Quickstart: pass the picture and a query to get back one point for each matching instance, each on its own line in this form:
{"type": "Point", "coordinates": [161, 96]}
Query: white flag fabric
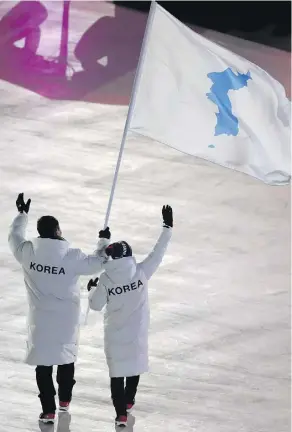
{"type": "Point", "coordinates": [204, 100]}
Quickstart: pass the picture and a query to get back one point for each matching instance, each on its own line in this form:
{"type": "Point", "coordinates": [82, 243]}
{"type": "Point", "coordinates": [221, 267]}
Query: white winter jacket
{"type": "Point", "coordinates": [51, 271]}
{"type": "Point", "coordinates": [122, 288]}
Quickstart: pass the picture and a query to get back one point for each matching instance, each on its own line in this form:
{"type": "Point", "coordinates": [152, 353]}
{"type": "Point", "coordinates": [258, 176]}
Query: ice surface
{"type": "Point", "coordinates": [219, 340]}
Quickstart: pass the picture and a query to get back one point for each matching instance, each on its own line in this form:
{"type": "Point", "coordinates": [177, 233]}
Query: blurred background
{"type": "Point", "coordinates": [89, 50]}
{"type": "Point", "coordinates": [268, 22]}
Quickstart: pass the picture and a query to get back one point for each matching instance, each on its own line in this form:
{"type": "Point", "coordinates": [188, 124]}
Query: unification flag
{"type": "Point", "coordinates": [202, 99]}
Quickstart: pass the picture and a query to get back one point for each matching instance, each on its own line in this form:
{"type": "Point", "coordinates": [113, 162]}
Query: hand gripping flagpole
{"type": "Point", "coordinates": [129, 115]}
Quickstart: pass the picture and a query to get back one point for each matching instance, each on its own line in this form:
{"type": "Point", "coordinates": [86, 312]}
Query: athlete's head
{"type": "Point", "coordinates": [119, 250]}
{"type": "Point", "coordinates": [48, 227]}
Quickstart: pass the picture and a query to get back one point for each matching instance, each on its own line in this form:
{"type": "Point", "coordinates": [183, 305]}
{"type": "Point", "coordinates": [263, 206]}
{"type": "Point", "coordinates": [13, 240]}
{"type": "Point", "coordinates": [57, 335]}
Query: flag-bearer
{"type": "Point", "coordinates": [51, 271]}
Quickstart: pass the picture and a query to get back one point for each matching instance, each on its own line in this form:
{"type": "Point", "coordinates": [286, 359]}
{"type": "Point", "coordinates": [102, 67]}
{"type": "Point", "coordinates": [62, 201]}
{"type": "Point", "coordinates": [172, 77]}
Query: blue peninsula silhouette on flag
{"type": "Point", "coordinates": [224, 81]}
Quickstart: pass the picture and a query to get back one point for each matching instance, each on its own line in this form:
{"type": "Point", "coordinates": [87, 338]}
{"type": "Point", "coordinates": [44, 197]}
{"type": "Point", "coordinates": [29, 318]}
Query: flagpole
{"type": "Point", "coordinates": [63, 55]}
{"type": "Point", "coordinates": [129, 117]}
{"type": "Point", "coordinates": [131, 106]}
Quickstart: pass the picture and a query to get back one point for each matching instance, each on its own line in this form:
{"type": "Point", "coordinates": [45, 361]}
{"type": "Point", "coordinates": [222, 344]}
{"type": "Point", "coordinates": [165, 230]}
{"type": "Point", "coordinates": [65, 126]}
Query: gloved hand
{"type": "Point", "coordinates": [167, 216]}
{"type": "Point", "coordinates": [92, 283]}
{"type": "Point", "coordinates": [21, 205]}
{"type": "Point", "coordinates": [105, 233]}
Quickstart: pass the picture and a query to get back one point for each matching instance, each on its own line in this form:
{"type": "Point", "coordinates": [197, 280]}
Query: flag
{"type": "Point", "coordinates": [204, 100]}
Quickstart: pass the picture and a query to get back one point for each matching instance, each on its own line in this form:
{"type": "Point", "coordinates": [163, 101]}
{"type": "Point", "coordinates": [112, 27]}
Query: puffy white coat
{"type": "Point", "coordinates": [122, 288]}
{"type": "Point", "coordinates": [51, 271]}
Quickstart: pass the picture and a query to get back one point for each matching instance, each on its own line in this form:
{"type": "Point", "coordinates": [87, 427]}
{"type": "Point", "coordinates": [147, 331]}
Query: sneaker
{"type": "Point", "coordinates": [64, 406]}
{"type": "Point", "coordinates": [130, 407]}
{"type": "Point", "coordinates": [47, 418]}
{"type": "Point", "coordinates": [121, 421]}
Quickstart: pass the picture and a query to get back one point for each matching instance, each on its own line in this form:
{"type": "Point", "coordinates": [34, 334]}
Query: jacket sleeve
{"type": "Point", "coordinates": [16, 236]}
{"type": "Point", "coordinates": [152, 262]}
{"type": "Point", "coordinates": [91, 264]}
{"type": "Point", "coordinates": [98, 297]}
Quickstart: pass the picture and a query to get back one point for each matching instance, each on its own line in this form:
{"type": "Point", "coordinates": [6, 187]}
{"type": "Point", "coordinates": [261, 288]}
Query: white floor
{"type": "Point", "coordinates": [220, 333]}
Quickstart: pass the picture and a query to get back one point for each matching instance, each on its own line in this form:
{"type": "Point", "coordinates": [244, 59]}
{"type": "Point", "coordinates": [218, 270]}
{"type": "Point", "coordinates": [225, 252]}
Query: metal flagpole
{"type": "Point", "coordinates": [129, 115]}
{"type": "Point", "coordinates": [131, 106]}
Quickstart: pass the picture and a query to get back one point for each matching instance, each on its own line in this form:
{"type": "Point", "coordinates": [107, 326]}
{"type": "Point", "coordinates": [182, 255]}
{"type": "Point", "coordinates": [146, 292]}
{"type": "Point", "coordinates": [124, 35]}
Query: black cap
{"type": "Point", "coordinates": [119, 250]}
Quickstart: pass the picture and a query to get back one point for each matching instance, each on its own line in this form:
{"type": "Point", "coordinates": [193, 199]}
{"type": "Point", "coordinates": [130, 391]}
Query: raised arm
{"type": "Point", "coordinates": [150, 264]}
{"type": "Point", "coordinates": [91, 264]}
{"type": "Point", "coordinates": [16, 236]}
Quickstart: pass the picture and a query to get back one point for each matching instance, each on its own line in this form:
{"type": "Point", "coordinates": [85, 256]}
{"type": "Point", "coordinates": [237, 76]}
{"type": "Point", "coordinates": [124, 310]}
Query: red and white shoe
{"type": "Point", "coordinates": [130, 407]}
{"type": "Point", "coordinates": [64, 406]}
{"type": "Point", "coordinates": [47, 418]}
{"type": "Point", "coordinates": [121, 421]}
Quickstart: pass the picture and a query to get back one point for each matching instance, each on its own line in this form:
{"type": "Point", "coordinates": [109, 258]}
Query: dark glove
{"type": "Point", "coordinates": [167, 216]}
{"type": "Point", "coordinates": [105, 233]}
{"type": "Point", "coordinates": [21, 205]}
{"type": "Point", "coordinates": [92, 283]}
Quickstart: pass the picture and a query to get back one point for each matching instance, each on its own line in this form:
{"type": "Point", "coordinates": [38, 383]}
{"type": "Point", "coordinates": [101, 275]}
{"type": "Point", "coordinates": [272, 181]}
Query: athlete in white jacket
{"type": "Point", "coordinates": [51, 272]}
{"type": "Point", "coordinates": [122, 288]}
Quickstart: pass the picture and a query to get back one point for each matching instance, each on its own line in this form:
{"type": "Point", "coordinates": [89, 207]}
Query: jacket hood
{"type": "Point", "coordinates": [49, 247]}
{"type": "Point", "coordinates": [52, 238]}
{"type": "Point", "coordinates": [121, 270]}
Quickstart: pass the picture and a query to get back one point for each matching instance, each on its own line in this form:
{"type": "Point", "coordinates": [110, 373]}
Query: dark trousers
{"type": "Point", "coordinates": [65, 380]}
{"type": "Point", "coordinates": [121, 395]}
